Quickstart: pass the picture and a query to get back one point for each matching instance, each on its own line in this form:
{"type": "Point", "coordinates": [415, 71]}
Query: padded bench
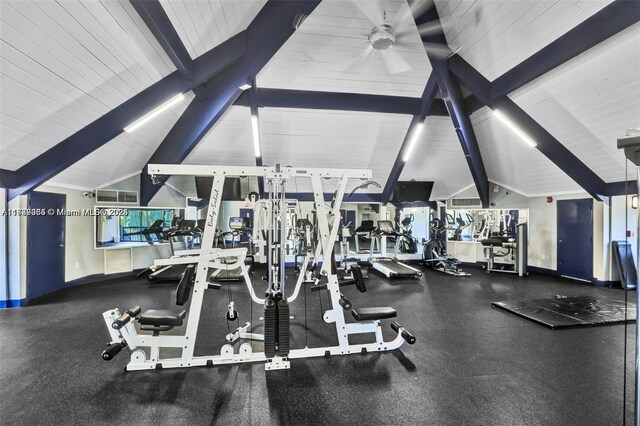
{"type": "Point", "coordinates": [159, 318]}
{"type": "Point", "coordinates": [365, 314]}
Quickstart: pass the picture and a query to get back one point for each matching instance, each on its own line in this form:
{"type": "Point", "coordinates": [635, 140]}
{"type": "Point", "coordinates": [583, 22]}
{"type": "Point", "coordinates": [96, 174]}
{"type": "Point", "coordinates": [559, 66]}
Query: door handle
{"type": "Point", "coordinates": [61, 245]}
{"type": "Point", "coordinates": [560, 241]}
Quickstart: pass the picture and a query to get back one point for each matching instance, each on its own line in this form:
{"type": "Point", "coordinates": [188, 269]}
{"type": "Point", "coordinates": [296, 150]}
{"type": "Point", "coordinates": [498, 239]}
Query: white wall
{"type": "Point", "coordinates": [17, 251]}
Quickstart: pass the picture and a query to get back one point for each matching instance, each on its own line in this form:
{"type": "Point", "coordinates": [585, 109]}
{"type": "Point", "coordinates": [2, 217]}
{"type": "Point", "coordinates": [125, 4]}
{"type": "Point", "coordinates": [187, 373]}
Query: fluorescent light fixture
{"type": "Point", "coordinates": [412, 142]}
{"type": "Point", "coordinates": [634, 202]}
{"type": "Point", "coordinates": [152, 114]}
{"type": "Point", "coordinates": [245, 86]}
{"type": "Point", "coordinates": [514, 128]}
{"type": "Point", "coordinates": [255, 126]}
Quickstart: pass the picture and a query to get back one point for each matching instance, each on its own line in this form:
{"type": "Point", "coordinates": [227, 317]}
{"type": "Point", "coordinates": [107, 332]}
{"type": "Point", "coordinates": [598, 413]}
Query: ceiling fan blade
{"type": "Point", "coordinates": [394, 62]}
{"type": "Point", "coordinates": [369, 10]}
{"type": "Point", "coordinates": [359, 62]}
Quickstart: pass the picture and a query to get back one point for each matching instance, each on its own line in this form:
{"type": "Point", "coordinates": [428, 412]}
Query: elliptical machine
{"type": "Point", "coordinates": [435, 252]}
{"type": "Point", "coordinates": [406, 243]}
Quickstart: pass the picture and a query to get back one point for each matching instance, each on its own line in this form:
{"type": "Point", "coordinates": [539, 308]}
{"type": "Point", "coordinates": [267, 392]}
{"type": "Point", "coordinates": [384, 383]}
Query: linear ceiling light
{"type": "Point", "coordinates": [514, 128]}
{"type": "Point", "coordinates": [412, 142]}
{"type": "Point", "coordinates": [152, 114]}
{"type": "Point", "coordinates": [245, 87]}
{"type": "Point", "coordinates": [255, 126]}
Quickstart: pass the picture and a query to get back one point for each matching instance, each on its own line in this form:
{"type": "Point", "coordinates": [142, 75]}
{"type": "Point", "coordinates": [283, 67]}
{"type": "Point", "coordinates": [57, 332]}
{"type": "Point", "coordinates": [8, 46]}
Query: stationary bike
{"type": "Point", "coordinates": [434, 253]}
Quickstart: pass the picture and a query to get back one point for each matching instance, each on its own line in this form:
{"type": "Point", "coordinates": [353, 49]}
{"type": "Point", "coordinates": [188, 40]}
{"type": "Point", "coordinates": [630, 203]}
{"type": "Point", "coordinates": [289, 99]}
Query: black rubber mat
{"type": "Point", "coordinates": [567, 312]}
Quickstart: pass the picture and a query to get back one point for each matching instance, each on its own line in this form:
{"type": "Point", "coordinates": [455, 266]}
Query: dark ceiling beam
{"type": "Point", "coordinates": [160, 25]}
{"type": "Point", "coordinates": [96, 134]}
{"type": "Point", "coordinates": [606, 23]}
{"type": "Point", "coordinates": [304, 99]}
{"type": "Point", "coordinates": [622, 188]}
{"type": "Point", "coordinates": [7, 178]}
{"type": "Point", "coordinates": [546, 143]}
{"type": "Point", "coordinates": [454, 100]}
{"type": "Point", "coordinates": [426, 100]}
{"type": "Point", "coordinates": [452, 94]}
{"type": "Point", "coordinates": [269, 30]}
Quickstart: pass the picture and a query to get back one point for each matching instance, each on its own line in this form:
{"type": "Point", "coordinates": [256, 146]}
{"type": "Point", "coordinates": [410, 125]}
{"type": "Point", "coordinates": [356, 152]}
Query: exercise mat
{"type": "Point", "coordinates": [570, 311]}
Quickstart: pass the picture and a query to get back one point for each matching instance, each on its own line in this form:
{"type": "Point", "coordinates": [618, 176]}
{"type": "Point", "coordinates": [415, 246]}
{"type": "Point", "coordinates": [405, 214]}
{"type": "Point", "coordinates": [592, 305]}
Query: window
{"type": "Point", "coordinates": [133, 226]}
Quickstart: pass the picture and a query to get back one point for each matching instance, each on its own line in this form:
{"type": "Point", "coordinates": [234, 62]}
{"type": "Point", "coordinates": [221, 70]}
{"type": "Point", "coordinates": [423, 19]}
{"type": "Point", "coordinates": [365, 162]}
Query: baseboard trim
{"type": "Point", "coordinates": [13, 303]}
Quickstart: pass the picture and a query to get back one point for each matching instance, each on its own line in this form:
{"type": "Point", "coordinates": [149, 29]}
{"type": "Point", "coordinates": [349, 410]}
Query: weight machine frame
{"type": "Point", "coordinates": [209, 257]}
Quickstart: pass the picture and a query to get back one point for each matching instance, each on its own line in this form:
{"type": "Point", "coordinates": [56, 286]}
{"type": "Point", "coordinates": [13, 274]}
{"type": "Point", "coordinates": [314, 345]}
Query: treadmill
{"type": "Point", "coordinates": [183, 235]}
{"type": "Point", "coordinates": [389, 266]}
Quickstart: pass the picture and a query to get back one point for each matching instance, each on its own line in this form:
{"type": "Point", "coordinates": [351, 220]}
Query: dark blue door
{"type": "Point", "coordinates": [45, 244]}
{"type": "Point", "coordinates": [575, 238]}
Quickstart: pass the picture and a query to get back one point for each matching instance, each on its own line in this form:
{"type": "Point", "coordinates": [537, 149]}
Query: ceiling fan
{"type": "Point", "coordinates": [386, 33]}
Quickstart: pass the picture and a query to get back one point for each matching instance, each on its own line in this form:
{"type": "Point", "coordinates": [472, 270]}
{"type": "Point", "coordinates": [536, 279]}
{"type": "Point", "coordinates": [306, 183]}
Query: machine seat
{"type": "Point", "coordinates": [162, 318]}
{"type": "Point", "coordinates": [364, 314]}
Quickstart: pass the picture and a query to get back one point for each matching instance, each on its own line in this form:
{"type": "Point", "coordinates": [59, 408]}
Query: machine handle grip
{"type": "Point", "coordinates": [345, 303]}
{"type": "Point", "coordinates": [112, 350]}
{"type": "Point", "coordinates": [135, 311]}
{"type": "Point", "coordinates": [121, 321]}
{"type": "Point", "coordinates": [408, 337]}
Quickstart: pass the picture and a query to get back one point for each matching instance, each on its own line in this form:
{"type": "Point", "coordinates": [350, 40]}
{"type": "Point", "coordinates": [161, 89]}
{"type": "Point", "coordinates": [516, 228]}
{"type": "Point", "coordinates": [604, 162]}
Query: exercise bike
{"type": "Point", "coordinates": [434, 253]}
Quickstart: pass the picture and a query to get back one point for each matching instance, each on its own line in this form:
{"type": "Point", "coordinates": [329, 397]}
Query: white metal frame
{"type": "Point", "coordinates": [209, 257]}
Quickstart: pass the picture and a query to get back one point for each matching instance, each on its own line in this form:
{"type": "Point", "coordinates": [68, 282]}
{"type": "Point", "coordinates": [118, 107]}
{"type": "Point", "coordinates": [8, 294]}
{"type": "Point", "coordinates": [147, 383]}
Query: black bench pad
{"type": "Point", "coordinates": [364, 314]}
{"type": "Point", "coordinates": [158, 317]}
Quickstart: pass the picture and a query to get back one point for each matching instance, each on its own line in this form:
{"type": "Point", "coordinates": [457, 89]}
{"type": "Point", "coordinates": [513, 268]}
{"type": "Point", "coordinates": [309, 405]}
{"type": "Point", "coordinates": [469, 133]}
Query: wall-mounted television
{"type": "Point", "coordinates": [412, 191]}
{"type": "Point", "coordinates": [230, 192]}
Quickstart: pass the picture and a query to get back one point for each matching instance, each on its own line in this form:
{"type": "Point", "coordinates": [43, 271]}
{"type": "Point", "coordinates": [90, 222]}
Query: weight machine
{"type": "Point", "coordinates": [277, 352]}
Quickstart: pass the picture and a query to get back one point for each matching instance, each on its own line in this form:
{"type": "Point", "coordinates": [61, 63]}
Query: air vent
{"type": "Point", "coordinates": [127, 197]}
{"type": "Point", "coordinates": [117, 260]}
{"type": "Point", "coordinates": [106, 196]}
{"type": "Point", "coordinates": [465, 203]}
{"type": "Point", "coordinates": [109, 196]}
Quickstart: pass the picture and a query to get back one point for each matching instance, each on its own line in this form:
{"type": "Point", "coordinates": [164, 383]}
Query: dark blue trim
{"type": "Point", "coordinates": [452, 95]}
{"type": "Point", "coordinates": [96, 134]}
{"type": "Point", "coordinates": [618, 188]}
{"type": "Point", "coordinates": [270, 29]}
{"type": "Point", "coordinates": [7, 178]}
{"type": "Point", "coordinates": [546, 143]}
{"type": "Point", "coordinates": [609, 21]}
{"type": "Point", "coordinates": [13, 303]}
{"type": "Point", "coordinates": [304, 99]}
{"type": "Point", "coordinates": [93, 278]}
{"type": "Point", "coordinates": [426, 101]}
{"type": "Point", "coordinates": [154, 16]}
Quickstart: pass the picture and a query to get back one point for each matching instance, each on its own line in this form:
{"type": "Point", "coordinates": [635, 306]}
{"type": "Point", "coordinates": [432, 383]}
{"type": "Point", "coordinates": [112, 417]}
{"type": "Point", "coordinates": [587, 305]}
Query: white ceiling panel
{"type": "Point", "coordinates": [127, 153]}
{"type": "Point", "coordinates": [438, 157]}
{"type": "Point", "coordinates": [204, 24]}
{"type": "Point", "coordinates": [588, 102]}
{"type": "Point", "coordinates": [337, 139]}
{"type": "Point", "coordinates": [229, 142]}
{"type": "Point", "coordinates": [496, 35]}
{"type": "Point", "coordinates": [510, 162]}
{"type": "Point", "coordinates": [65, 64]}
{"type": "Point", "coordinates": [324, 54]}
